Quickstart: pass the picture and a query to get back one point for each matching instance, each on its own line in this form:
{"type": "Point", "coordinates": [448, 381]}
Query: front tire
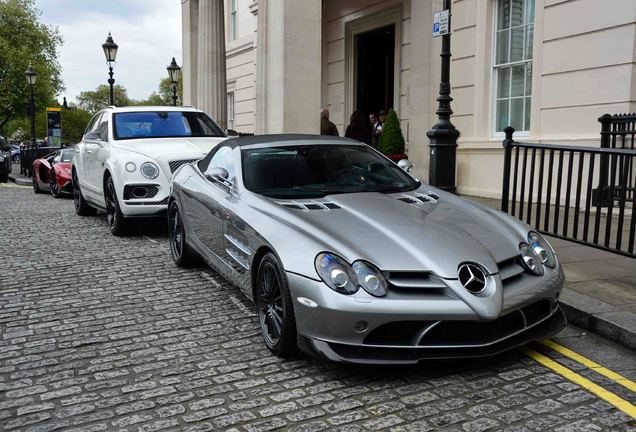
{"type": "Point", "coordinates": [55, 189]}
{"type": "Point", "coordinates": [36, 186]}
{"type": "Point", "coordinates": [275, 308]}
{"type": "Point", "coordinates": [181, 254]}
{"type": "Point", "coordinates": [116, 221]}
{"type": "Point", "coordinates": [81, 206]}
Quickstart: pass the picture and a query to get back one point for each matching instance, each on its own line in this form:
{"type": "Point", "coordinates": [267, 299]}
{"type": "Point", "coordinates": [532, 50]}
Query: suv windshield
{"type": "Point", "coordinates": [312, 171]}
{"type": "Point", "coordinates": [164, 124]}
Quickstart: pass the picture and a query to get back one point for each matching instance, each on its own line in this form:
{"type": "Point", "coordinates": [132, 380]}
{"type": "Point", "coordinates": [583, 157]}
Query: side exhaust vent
{"type": "Point", "coordinates": [310, 206]}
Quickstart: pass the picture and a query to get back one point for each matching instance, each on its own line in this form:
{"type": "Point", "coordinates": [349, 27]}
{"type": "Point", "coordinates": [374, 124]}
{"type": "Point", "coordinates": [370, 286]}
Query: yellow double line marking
{"type": "Point", "coordinates": [11, 185]}
{"type": "Point", "coordinates": [612, 398]}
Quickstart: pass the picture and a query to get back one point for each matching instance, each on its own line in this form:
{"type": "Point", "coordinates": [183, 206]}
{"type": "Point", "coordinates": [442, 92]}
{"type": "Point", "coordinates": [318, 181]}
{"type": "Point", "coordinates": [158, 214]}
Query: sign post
{"type": "Point", "coordinates": [54, 127]}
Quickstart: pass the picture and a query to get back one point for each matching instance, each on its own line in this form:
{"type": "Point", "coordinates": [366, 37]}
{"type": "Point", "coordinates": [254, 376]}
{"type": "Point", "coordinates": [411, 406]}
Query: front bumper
{"type": "Point", "coordinates": [425, 325]}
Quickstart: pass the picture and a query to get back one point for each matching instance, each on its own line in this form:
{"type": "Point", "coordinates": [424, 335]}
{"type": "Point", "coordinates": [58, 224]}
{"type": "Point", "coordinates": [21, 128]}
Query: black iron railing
{"type": "Point", "coordinates": [617, 131]}
{"type": "Point", "coordinates": [550, 187]}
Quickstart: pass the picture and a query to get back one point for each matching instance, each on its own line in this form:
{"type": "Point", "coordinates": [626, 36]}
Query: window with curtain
{"type": "Point", "coordinates": [514, 32]}
{"type": "Point", "coordinates": [233, 19]}
{"type": "Point", "coordinates": [230, 111]}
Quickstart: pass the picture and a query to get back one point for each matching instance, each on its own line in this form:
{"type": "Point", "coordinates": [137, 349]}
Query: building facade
{"type": "Point", "coordinates": [549, 68]}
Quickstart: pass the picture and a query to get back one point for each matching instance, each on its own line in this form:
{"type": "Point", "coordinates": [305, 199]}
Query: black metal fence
{"type": "Point", "coordinates": [29, 153]}
{"type": "Point", "coordinates": [551, 188]}
{"type": "Point", "coordinates": [617, 131]}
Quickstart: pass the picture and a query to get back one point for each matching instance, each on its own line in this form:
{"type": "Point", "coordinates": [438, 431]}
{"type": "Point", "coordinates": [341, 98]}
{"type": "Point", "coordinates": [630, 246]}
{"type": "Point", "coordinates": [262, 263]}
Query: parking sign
{"type": "Point", "coordinates": [440, 23]}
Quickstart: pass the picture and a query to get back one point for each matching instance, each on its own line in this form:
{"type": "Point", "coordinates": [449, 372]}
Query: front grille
{"type": "Point", "coordinates": [510, 269]}
{"type": "Point", "coordinates": [458, 333]}
{"type": "Point", "coordinates": [174, 165]}
{"type": "Point", "coordinates": [413, 280]}
{"type": "Point", "coordinates": [134, 191]}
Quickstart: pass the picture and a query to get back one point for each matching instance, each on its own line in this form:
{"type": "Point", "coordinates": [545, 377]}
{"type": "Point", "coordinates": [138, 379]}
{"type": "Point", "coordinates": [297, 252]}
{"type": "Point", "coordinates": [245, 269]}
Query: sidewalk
{"type": "Point", "coordinates": [600, 288]}
{"type": "Point", "coordinates": [18, 178]}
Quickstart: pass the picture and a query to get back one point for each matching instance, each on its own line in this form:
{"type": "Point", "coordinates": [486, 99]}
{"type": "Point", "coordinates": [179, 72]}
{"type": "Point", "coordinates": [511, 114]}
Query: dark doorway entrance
{"type": "Point", "coordinates": [375, 55]}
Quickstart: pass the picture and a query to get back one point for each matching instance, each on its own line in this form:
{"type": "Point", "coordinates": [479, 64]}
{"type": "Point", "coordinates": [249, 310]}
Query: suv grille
{"type": "Point", "coordinates": [174, 165]}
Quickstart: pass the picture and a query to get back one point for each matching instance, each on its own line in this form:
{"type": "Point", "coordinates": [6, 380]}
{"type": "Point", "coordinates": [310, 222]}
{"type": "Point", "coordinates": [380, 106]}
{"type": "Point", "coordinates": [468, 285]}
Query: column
{"type": "Point", "coordinates": [289, 70]}
{"type": "Point", "coordinates": [189, 36]}
{"type": "Point", "coordinates": [211, 82]}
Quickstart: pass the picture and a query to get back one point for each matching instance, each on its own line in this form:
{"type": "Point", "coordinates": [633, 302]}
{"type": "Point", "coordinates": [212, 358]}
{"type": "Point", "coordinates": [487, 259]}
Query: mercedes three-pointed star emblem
{"type": "Point", "coordinates": [472, 277]}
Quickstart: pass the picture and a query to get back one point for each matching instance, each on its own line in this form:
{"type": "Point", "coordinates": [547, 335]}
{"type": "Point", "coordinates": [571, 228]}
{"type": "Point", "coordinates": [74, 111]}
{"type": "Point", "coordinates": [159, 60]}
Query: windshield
{"type": "Point", "coordinates": [312, 171]}
{"type": "Point", "coordinates": [67, 155]}
{"type": "Point", "coordinates": [164, 124]}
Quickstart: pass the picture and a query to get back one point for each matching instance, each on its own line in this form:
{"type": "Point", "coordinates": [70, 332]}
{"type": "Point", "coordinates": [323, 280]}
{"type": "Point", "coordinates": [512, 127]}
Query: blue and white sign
{"type": "Point", "coordinates": [440, 23]}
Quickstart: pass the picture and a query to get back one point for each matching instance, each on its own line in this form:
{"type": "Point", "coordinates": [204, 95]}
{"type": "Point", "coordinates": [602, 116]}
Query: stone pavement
{"type": "Point", "coordinates": [600, 288]}
{"type": "Point", "coordinates": [104, 333]}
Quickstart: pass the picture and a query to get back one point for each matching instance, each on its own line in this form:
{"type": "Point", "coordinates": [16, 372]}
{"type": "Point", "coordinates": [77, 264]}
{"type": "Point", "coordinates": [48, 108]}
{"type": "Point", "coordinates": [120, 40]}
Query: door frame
{"type": "Point", "coordinates": [386, 17]}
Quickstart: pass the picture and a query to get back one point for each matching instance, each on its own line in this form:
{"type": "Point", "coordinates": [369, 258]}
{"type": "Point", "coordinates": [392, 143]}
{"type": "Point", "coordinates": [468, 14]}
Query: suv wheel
{"type": "Point", "coordinates": [116, 221]}
{"type": "Point", "coordinates": [81, 206]}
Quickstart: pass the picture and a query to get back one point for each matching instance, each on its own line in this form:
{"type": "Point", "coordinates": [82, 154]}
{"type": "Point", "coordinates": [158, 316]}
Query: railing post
{"type": "Point", "coordinates": [600, 194]}
{"type": "Point", "coordinates": [505, 190]}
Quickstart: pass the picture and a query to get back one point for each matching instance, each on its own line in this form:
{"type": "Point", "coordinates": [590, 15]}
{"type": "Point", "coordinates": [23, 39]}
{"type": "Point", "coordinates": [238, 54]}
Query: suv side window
{"type": "Point", "coordinates": [102, 127]}
{"type": "Point", "coordinates": [223, 158]}
{"type": "Point", "coordinates": [93, 123]}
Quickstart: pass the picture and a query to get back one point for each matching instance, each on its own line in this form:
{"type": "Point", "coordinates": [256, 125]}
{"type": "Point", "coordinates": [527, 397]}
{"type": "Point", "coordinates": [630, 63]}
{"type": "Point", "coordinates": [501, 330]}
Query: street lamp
{"type": "Point", "coordinates": [173, 72]}
{"type": "Point", "coordinates": [31, 76]}
{"type": "Point", "coordinates": [110, 51]}
{"type": "Point", "coordinates": [443, 135]}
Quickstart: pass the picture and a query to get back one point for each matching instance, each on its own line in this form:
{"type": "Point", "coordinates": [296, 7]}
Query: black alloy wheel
{"type": "Point", "coordinates": [55, 189]}
{"type": "Point", "coordinates": [116, 221]}
{"type": "Point", "coordinates": [275, 309]}
{"type": "Point", "coordinates": [81, 206]}
{"type": "Point", "coordinates": [181, 254]}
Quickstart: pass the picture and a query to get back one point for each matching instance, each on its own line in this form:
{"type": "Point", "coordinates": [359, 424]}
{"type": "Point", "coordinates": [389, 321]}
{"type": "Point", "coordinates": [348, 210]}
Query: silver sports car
{"type": "Point", "coordinates": [349, 257]}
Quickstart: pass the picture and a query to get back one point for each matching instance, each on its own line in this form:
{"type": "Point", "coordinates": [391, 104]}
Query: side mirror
{"type": "Point", "coordinates": [406, 165]}
{"type": "Point", "coordinates": [93, 136]}
{"type": "Point", "coordinates": [231, 133]}
{"type": "Point", "coordinates": [218, 175]}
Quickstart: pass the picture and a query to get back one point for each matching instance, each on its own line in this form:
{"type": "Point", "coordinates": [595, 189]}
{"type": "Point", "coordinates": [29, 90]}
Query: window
{"type": "Point", "coordinates": [513, 64]}
{"type": "Point", "coordinates": [230, 111]}
{"type": "Point", "coordinates": [164, 124]}
{"type": "Point", "coordinates": [233, 20]}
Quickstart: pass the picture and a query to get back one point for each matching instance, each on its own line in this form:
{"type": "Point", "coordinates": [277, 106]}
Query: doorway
{"type": "Point", "coordinates": [375, 69]}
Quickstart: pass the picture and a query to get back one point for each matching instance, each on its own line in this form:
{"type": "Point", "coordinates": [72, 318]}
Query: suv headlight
{"type": "Point", "coordinates": [530, 260]}
{"type": "Point", "coordinates": [344, 278]}
{"type": "Point", "coordinates": [542, 248]}
{"type": "Point", "coordinates": [149, 170]}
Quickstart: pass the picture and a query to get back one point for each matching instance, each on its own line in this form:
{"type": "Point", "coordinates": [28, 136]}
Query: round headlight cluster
{"type": "Point", "coordinates": [149, 170]}
{"type": "Point", "coordinates": [130, 167]}
{"type": "Point", "coordinates": [536, 254]}
{"type": "Point", "coordinates": [344, 278]}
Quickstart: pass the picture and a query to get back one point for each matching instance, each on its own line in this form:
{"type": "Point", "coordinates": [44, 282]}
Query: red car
{"type": "Point", "coordinates": [53, 173]}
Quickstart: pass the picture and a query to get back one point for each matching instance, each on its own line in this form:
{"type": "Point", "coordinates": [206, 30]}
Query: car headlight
{"type": "Point", "coordinates": [336, 273]}
{"type": "Point", "coordinates": [542, 248]}
{"type": "Point", "coordinates": [149, 170]}
{"type": "Point", "coordinates": [530, 259]}
{"type": "Point", "coordinates": [370, 278]}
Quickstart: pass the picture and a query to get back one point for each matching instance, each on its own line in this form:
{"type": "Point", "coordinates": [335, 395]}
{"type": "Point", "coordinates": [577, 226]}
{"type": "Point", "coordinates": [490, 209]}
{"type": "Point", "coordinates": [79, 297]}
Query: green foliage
{"type": "Point", "coordinates": [23, 41]}
{"type": "Point", "coordinates": [93, 101]}
{"type": "Point", "coordinates": [164, 95]}
{"type": "Point", "coordinates": [74, 121]}
{"type": "Point", "coordinates": [391, 140]}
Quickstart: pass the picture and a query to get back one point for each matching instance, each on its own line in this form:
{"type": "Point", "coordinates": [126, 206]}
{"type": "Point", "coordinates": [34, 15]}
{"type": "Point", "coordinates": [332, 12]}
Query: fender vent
{"type": "Point", "coordinates": [310, 206]}
{"type": "Point", "coordinates": [174, 165]}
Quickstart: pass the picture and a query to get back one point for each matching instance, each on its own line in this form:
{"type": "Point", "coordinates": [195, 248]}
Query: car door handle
{"type": "Point", "coordinates": [89, 151]}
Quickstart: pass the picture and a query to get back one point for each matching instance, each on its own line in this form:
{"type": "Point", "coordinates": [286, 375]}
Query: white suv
{"type": "Point", "coordinates": [126, 158]}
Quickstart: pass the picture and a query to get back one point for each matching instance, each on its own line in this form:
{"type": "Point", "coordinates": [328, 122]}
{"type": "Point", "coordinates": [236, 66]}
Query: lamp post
{"type": "Point", "coordinates": [443, 136]}
{"type": "Point", "coordinates": [110, 51]}
{"type": "Point", "coordinates": [31, 76]}
{"type": "Point", "coordinates": [173, 72]}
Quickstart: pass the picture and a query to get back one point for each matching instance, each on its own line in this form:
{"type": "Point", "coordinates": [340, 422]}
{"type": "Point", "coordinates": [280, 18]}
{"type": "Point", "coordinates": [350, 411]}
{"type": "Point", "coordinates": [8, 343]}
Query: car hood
{"type": "Point", "coordinates": [170, 147]}
{"type": "Point", "coordinates": [435, 236]}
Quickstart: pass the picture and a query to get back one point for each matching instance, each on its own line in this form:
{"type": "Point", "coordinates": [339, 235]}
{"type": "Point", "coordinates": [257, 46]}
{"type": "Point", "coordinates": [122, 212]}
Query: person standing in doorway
{"type": "Point", "coordinates": [377, 128]}
{"type": "Point", "coordinates": [359, 128]}
{"type": "Point", "coordinates": [326, 126]}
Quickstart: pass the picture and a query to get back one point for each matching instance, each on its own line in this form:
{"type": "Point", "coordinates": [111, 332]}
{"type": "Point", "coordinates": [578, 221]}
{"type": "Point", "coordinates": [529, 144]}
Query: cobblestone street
{"type": "Point", "coordinates": [104, 333]}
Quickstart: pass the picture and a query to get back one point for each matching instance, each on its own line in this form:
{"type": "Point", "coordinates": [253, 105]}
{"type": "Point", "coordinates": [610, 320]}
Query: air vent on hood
{"type": "Point", "coordinates": [419, 198]}
{"type": "Point", "coordinates": [310, 206]}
